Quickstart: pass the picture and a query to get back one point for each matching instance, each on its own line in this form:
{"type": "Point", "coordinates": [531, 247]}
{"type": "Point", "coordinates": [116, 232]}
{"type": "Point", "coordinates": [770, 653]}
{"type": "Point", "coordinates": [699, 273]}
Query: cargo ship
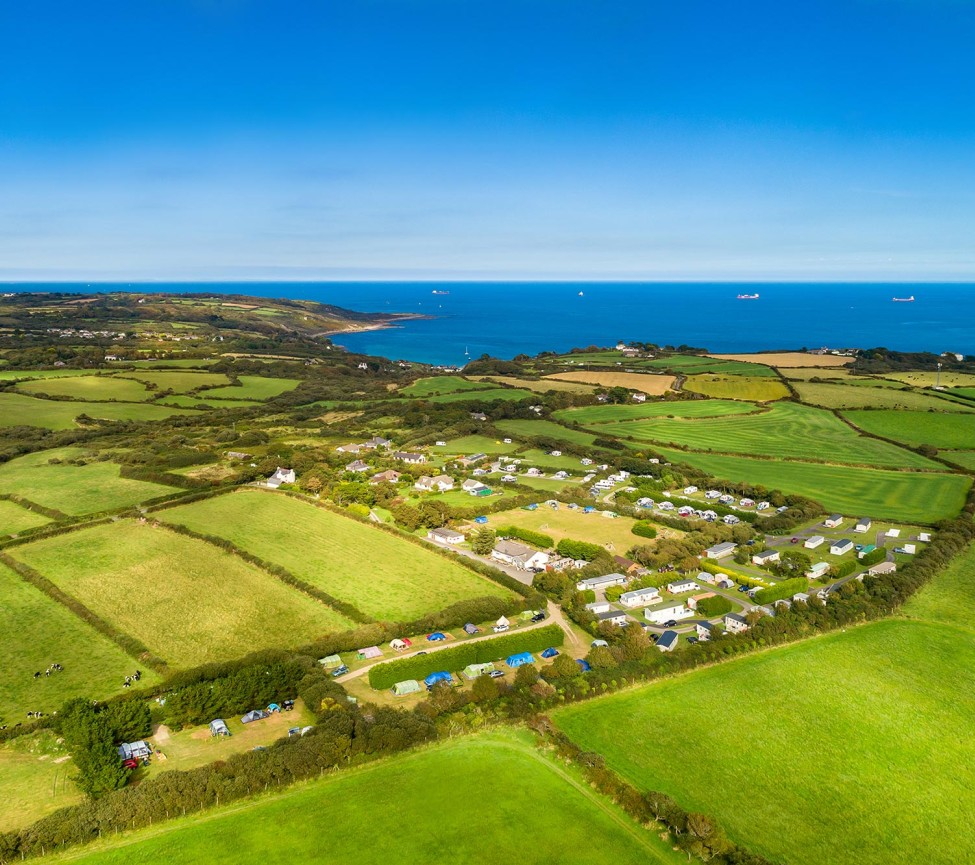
{"type": "Point", "coordinates": [747, 297]}
{"type": "Point", "coordinates": [903, 299]}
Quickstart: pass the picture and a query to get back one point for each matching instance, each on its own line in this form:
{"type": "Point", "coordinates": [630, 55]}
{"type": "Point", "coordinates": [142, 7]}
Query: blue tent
{"type": "Point", "coordinates": [436, 637]}
{"type": "Point", "coordinates": [584, 664]}
{"type": "Point", "coordinates": [550, 652]}
{"type": "Point", "coordinates": [441, 676]}
{"type": "Point", "coordinates": [519, 659]}
{"type": "Point", "coordinates": [588, 510]}
{"type": "Point", "coordinates": [481, 520]}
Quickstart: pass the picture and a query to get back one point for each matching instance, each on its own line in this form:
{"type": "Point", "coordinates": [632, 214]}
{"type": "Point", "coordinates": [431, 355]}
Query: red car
{"type": "Point", "coordinates": [130, 763]}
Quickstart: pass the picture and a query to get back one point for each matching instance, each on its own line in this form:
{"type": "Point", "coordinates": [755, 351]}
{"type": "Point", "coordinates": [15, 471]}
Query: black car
{"type": "Point", "coordinates": [671, 624]}
{"type": "Point", "coordinates": [691, 640]}
{"type": "Point", "coordinates": [538, 617]}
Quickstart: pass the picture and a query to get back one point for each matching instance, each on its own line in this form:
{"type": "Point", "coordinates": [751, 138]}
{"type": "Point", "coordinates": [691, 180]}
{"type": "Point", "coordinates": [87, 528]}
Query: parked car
{"type": "Point", "coordinates": [539, 617]}
{"type": "Point", "coordinates": [496, 674]}
{"type": "Point", "coordinates": [794, 540]}
{"type": "Point", "coordinates": [340, 671]}
{"type": "Point", "coordinates": [691, 640]}
{"type": "Point", "coordinates": [743, 588]}
{"type": "Point", "coordinates": [670, 623]}
{"type": "Point", "coordinates": [130, 763]}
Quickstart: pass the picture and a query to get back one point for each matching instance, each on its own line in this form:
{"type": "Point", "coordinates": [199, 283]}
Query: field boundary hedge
{"type": "Point", "coordinates": [457, 657]}
{"type": "Point", "coordinates": [27, 504]}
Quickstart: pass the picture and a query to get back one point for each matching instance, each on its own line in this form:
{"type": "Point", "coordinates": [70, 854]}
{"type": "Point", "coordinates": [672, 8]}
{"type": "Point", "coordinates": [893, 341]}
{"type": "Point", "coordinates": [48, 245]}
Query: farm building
{"type": "Point", "coordinates": [519, 659]}
{"type": "Point", "coordinates": [472, 671]}
{"type": "Point", "coordinates": [436, 678]}
{"type": "Point", "coordinates": [720, 551]}
{"type": "Point", "coordinates": [814, 541]}
{"type": "Point", "coordinates": [218, 727]}
{"type": "Point", "coordinates": [407, 686]}
{"type": "Point", "coordinates": [818, 570]}
{"type": "Point", "coordinates": [766, 557]}
{"type": "Point", "coordinates": [518, 555]}
{"type": "Point", "coordinates": [445, 536]}
{"type": "Point", "coordinates": [680, 586]}
{"type": "Point", "coordinates": [863, 525]}
{"type": "Point", "coordinates": [833, 521]}
{"type": "Point", "coordinates": [613, 617]}
{"type": "Point", "coordinates": [281, 476]}
{"type": "Point", "coordinates": [660, 615]}
{"type": "Point", "coordinates": [640, 597]}
{"type": "Point", "coordinates": [603, 582]}
{"type": "Point", "coordinates": [838, 548]}
{"type": "Point", "coordinates": [667, 641]}
{"type": "Point", "coordinates": [735, 623]}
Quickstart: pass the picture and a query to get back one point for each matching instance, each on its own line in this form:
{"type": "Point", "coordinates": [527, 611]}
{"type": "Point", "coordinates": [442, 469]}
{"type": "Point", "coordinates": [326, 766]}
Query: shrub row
{"type": "Point", "coordinates": [874, 557]}
{"type": "Point", "coordinates": [579, 549]}
{"type": "Point", "coordinates": [644, 529]}
{"type": "Point", "coordinates": [50, 513]}
{"type": "Point", "coordinates": [456, 658]}
{"type": "Point", "coordinates": [782, 590]}
{"type": "Point", "coordinates": [536, 539]}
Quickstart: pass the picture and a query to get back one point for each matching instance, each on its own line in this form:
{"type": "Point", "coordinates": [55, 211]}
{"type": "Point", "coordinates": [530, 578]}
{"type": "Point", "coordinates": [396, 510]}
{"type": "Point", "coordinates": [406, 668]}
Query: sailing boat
{"type": "Point", "coordinates": [903, 299]}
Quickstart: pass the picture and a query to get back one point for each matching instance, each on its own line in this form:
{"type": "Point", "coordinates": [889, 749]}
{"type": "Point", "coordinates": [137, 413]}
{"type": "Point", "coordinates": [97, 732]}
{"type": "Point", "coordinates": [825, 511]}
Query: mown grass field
{"type": "Point", "coordinates": [72, 489]}
{"type": "Point", "coordinates": [949, 598]}
{"type": "Point", "coordinates": [36, 632]}
{"type": "Point", "coordinates": [599, 414]}
{"type": "Point", "coordinates": [614, 534]}
{"type": "Point", "coordinates": [188, 601]}
{"type": "Point", "coordinates": [691, 364]}
{"type": "Point", "coordinates": [185, 401]}
{"type": "Point", "coordinates": [851, 396]}
{"type": "Point", "coordinates": [538, 386]}
{"type": "Point", "coordinates": [785, 430]}
{"type": "Point", "coordinates": [527, 428]}
{"type": "Point", "coordinates": [385, 576]}
{"type": "Point", "coordinates": [963, 458]}
{"type": "Point", "coordinates": [418, 807]}
{"type": "Point", "coordinates": [648, 383]}
{"type": "Point", "coordinates": [35, 776]}
{"type": "Point", "coordinates": [427, 387]}
{"type": "Point", "coordinates": [851, 748]}
{"type": "Point", "coordinates": [918, 378]}
{"type": "Point", "coordinates": [10, 374]}
{"type": "Point", "coordinates": [736, 387]}
{"type": "Point", "coordinates": [15, 518]}
{"type": "Point", "coordinates": [178, 381]}
{"type": "Point", "coordinates": [919, 427]}
{"type": "Point", "coordinates": [484, 396]}
{"type": "Point", "coordinates": [252, 387]}
{"type": "Point", "coordinates": [475, 444]}
{"type": "Point", "coordinates": [88, 387]}
{"type": "Point", "coordinates": [788, 359]}
{"type": "Point", "coordinates": [18, 409]}
{"type": "Point", "coordinates": [911, 497]}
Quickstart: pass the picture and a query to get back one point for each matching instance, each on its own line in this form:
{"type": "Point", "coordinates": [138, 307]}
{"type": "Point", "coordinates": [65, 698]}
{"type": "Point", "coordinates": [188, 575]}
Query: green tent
{"type": "Point", "coordinates": [330, 661]}
{"type": "Point", "coordinates": [472, 671]}
{"type": "Point", "coordinates": [407, 686]}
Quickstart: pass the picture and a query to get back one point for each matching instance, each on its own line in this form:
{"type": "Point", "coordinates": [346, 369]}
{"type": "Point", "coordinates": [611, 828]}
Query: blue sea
{"type": "Point", "coordinates": [505, 319]}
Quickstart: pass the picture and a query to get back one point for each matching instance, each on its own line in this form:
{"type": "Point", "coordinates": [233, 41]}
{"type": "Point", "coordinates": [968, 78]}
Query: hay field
{"type": "Point", "coordinates": [928, 379]}
{"type": "Point", "coordinates": [831, 395]}
{"type": "Point", "coordinates": [600, 414]}
{"type": "Point", "coordinates": [384, 576]}
{"type": "Point", "coordinates": [657, 385]}
{"type": "Point", "coordinates": [787, 359]}
{"type": "Point", "coordinates": [542, 386]}
{"type": "Point", "coordinates": [736, 387]}
{"type": "Point", "coordinates": [188, 601]}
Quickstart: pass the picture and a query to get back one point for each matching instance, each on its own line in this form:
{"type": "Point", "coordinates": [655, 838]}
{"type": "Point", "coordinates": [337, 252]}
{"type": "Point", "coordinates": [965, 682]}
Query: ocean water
{"type": "Point", "coordinates": [505, 319]}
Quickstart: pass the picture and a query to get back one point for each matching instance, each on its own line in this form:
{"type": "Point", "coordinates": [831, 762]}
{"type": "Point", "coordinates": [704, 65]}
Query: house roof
{"type": "Point", "coordinates": [512, 548]}
{"type": "Point", "coordinates": [735, 617]}
{"type": "Point", "coordinates": [667, 639]}
{"type": "Point", "coordinates": [610, 614]}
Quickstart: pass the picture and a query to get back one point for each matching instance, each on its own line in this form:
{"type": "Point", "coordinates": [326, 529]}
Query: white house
{"type": "Point", "coordinates": [603, 582]}
{"type": "Point", "coordinates": [735, 623]}
{"type": "Point", "coordinates": [640, 597]}
{"type": "Point", "coordinates": [470, 485]}
{"type": "Point", "coordinates": [680, 586]}
{"type": "Point", "coordinates": [833, 521]}
{"type": "Point", "coordinates": [445, 536]}
{"type": "Point", "coordinates": [440, 482]}
{"type": "Point", "coordinates": [704, 630]}
{"type": "Point", "coordinates": [614, 617]}
{"type": "Point", "coordinates": [357, 466]}
{"type": "Point", "coordinates": [518, 555]}
{"type": "Point", "coordinates": [814, 541]}
{"type": "Point", "coordinates": [670, 612]}
{"type": "Point", "coordinates": [720, 551]}
{"type": "Point", "coordinates": [410, 458]}
{"type": "Point", "coordinates": [863, 525]}
{"type": "Point", "coordinates": [281, 476]}
{"type": "Point", "coordinates": [838, 548]}
{"type": "Point", "coordinates": [639, 397]}
{"type": "Point", "coordinates": [766, 557]}
{"type": "Point", "coordinates": [667, 641]}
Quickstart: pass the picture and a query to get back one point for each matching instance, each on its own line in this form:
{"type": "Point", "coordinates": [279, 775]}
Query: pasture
{"type": "Point", "coordinates": [35, 776]}
{"type": "Point", "coordinates": [599, 414]}
{"type": "Point", "coordinates": [963, 458]}
{"type": "Point", "coordinates": [788, 359]}
{"type": "Point", "coordinates": [475, 444]}
{"type": "Point", "coordinates": [12, 374]}
{"type": "Point", "coordinates": [15, 518]}
{"type": "Point", "coordinates": [252, 387]}
{"type": "Point", "coordinates": [871, 728]}
{"type": "Point", "coordinates": [614, 534]}
{"type": "Point", "coordinates": [384, 576]}
{"type": "Point", "coordinates": [36, 632]}
{"type": "Point", "coordinates": [648, 383]}
{"type": "Point", "coordinates": [786, 430]}
{"type": "Point", "coordinates": [543, 386]}
{"type": "Point", "coordinates": [910, 497]}
{"type": "Point", "coordinates": [411, 808]}
{"type": "Point", "coordinates": [736, 387]}
{"type": "Point", "coordinates": [484, 396]}
{"type": "Point", "coordinates": [949, 598]}
{"type": "Point", "coordinates": [830, 395]}
{"type": "Point", "coordinates": [185, 401]}
{"type": "Point", "coordinates": [178, 381]}
{"type": "Point", "coordinates": [528, 428]}
{"type": "Point", "coordinates": [427, 387]}
{"type": "Point", "coordinates": [17, 409]}
{"type": "Point", "coordinates": [691, 364]}
{"type": "Point", "coordinates": [919, 427]}
{"type": "Point", "coordinates": [88, 387]}
{"type": "Point", "coordinates": [918, 378]}
{"type": "Point", "coordinates": [188, 601]}
{"type": "Point", "coordinates": [74, 489]}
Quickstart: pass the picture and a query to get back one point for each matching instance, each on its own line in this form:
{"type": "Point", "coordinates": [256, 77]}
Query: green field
{"type": "Point", "coordinates": [933, 378]}
{"type": "Point", "coordinates": [11, 374]}
{"type": "Point", "coordinates": [831, 395]}
{"type": "Point", "coordinates": [88, 387]}
{"type": "Point", "coordinates": [16, 518]}
{"type": "Point", "coordinates": [599, 414]}
{"type": "Point", "coordinates": [36, 632]}
{"type": "Point", "coordinates": [482, 397]}
{"type": "Point", "coordinates": [35, 776]}
{"type": "Point", "coordinates": [693, 365]}
{"type": "Point", "coordinates": [753, 389]}
{"type": "Point", "coordinates": [252, 387]}
{"type": "Point", "coordinates": [543, 386]}
{"type": "Point", "coordinates": [919, 427]}
{"type": "Point", "coordinates": [476, 444]}
{"type": "Point", "coordinates": [410, 809]}
{"type": "Point", "coordinates": [18, 409]}
{"type": "Point", "coordinates": [73, 489]}
{"type": "Point", "coordinates": [179, 381]}
{"type": "Point", "coordinates": [386, 577]}
{"type": "Point", "coordinates": [188, 601]}
{"type": "Point", "coordinates": [613, 534]}
{"type": "Point", "coordinates": [850, 748]}
{"type": "Point", "coordinates": [950, 597]}
{"type": "Point", "coordinates": [526, 428]}
{"type": "Point", "coordinates": [185, 401]}
{"type": "Point", "coordinates": [963, 458]}
{"type": "Point", "coordinates": [911, 497]}
{"type": "Point", "coordinates": [427, 387]}
{"type": "Point", "coordinates": [785, 430]}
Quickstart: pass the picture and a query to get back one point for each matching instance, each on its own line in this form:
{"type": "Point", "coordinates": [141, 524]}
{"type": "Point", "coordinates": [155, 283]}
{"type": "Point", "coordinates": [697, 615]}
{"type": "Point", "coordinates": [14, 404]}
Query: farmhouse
{"type": "Point", "coordinates": [440, 482]}
{"type": "Point", "coordinates": [639, 397]}
{"type": "Point", "coordinates": [819, 569]}
{"type": "Point", "coordinates": [613, 617]}
{"type": "Point", "coordinates": [814, 541]}
{"type": "Point", "coordinates": [409, 458]}
{"type": "Point", "coordinates": [680, 586]}
{"type": "Point", "coordinates": [882, 568]}
{"type": "Point", "coordinates": [357, 466]}
{"type": "Point", "coordinates": [389, 476]}
{"type": "Point", "coordinates": [518, 555]}
{"type": "Point", "coordinates": [602, 582]}
{"type": "Point", "coordinates": [735, 623]}
{"type": "Point", "coordinates": [281, 476]}
{"type": "Point", "coordinates": [694, 600]}
{"type": "Point", "coordinates": [863, 525]}
{"type": "Point", "coordinates": [349, 449]}
{"type": "Point", "coordinates": [445, 536]}
{"type": "Point", "coordinates": [833, 520]}
{"type": "Point", "coordinates": [667, 641]}
{"type": "Point", "coordinates": [766, 557]}
{"type": "Point", "coordinates": [376, 442]}
{"type": "Point", "coordinates": [720, 551]}
{"type": "Point", "coordinates": [640, 597]}
{"type": "Point", "coordinates": [660, 615]}
{"type": "Point", "coordinates": [838, 548]}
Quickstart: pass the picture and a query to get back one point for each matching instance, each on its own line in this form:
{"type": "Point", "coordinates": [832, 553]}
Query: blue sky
{"type": "Point", "coordinates": [466, 139]}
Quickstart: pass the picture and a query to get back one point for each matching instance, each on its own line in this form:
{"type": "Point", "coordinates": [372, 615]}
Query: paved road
{"type": "Point", "coordinates": [518, 574]}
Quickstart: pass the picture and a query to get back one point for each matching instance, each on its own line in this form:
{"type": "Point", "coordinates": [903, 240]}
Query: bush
{"type": "Point", "coordinates": [844, 569]}
{"type": "Point", "coordinates": [875, 557]}
{"type": "Point", "coordinates": [536, 539]}
{"type": "Point", "coordinates": [579, 549]}
{"type": "Point", "coordinates": [644, 529]}
{"type": "Point", "coordinates": [708, 608]}
{"type": "Point", "coordinates": [785, 589]}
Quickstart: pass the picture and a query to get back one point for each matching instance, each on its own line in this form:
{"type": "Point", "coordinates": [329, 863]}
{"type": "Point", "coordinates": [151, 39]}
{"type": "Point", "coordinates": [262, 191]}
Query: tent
{"type": "Point", "coordinates": [273, 707]}
{"type": "Point", "coordinates": [134, 750]}
{"type": "Point", "coordinates": [369, 653]}
{"type": "Point", "coordinates": [480, 520]}
{"type": "Point", "coordinates": [330, 661]}
{"type": "Point", "coordinates": [219, 728]}
{"type": "Point", "coordinates": [399, 645]}
{"type": "Point", "coordinates": [436, 637]}
{"type": "Point", "coordinates": [519, 659]}
{"type": "Point", "coordinates": [550, 652]}
{"type": "Point", "coordinates": [502, 622]}
{"type": "Point", "coordinates": [255, 715]}
{"type": "Point", "coordinates": [471, 629]}
{"type": "Point", "coordinates": [440, 676]}
{"type": "Point", "coordinates": [407, 686]}
{"type": "Point", "coordinates": [584, 664]}
{"type": "Point", "coordinates": [472, 671]}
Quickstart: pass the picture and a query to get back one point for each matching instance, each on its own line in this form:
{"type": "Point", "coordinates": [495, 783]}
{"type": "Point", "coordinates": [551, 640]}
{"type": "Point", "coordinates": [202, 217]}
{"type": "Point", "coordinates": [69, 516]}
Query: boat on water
{"type": "Point", "coordinates": [747, 297]}
{"type": "Point", "coordinates": [436, 291]}
{"type": "Point", "coordinates": [580, 294]}
{"type": "Point", "coordinates": [903, 299]}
